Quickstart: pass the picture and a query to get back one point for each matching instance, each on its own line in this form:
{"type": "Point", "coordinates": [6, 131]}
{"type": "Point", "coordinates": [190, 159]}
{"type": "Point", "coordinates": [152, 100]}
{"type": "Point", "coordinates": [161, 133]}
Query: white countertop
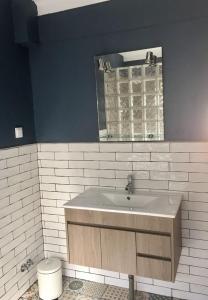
{"type": "Point", "coordinates": [141, 203]}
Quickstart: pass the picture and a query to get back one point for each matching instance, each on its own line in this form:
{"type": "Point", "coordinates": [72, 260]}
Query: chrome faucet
{"type": "Point", "coordinates": [129, 186]}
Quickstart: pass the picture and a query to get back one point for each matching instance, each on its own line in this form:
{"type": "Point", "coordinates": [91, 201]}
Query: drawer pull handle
{"type": "Point", "coordinates": [153, 256]}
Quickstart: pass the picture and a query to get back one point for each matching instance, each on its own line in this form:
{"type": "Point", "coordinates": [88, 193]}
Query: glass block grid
{"type": "Point", "coordinates": [134, 103]}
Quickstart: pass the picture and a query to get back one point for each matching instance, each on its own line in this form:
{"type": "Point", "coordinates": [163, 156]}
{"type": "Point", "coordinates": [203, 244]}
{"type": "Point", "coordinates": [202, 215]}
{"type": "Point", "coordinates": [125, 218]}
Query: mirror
{"type": "Point", "coordinates": [130, 95]}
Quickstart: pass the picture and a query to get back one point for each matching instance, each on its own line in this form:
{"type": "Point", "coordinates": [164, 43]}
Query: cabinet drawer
{"type": "Point", "coordinates": [153, 244]}
{"type": "Point", "coordinates": [154, 268]}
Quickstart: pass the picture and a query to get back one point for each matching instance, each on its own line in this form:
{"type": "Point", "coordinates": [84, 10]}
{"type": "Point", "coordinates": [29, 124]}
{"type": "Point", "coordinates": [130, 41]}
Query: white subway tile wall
{"type": "Point", "coordinates": [68, 169]}
{"type": "Point", "coordinates": [65, 170]}
{"type": "Point", "coordinates": [21, 235]}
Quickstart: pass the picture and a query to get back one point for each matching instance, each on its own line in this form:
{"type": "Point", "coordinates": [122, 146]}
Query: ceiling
{"type": "Point", "coordinates": [52, 6]}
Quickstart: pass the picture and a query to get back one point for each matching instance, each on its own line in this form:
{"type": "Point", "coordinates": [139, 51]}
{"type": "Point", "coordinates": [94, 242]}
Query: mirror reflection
{"type": "Point", "coordinates": [130, 95]}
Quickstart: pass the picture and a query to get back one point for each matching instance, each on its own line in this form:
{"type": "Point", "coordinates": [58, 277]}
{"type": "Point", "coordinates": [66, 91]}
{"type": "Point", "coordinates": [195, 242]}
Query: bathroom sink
{"type": "Point", "coordinates": [144, 203]}
{"type": "Point", "coordinates": [133, 200]}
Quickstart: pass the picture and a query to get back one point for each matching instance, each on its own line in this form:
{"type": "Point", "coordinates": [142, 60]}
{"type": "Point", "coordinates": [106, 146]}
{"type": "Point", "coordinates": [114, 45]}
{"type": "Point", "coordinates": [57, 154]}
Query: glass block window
{"type": "Point", "coordinates": [134, 103]}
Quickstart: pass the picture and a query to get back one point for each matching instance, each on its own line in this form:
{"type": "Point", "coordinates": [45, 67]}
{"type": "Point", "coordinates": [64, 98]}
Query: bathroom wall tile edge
{"type": "Point", "coordinates": [21, 235]}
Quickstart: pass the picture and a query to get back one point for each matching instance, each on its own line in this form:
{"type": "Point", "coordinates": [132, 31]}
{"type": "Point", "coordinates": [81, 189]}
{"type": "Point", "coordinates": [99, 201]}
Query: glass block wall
{"type": "Point", "coordinates": [134, 103]}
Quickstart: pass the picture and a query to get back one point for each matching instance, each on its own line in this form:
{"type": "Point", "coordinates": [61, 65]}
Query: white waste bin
{"type": "Point", "coordinates": [49, 273]}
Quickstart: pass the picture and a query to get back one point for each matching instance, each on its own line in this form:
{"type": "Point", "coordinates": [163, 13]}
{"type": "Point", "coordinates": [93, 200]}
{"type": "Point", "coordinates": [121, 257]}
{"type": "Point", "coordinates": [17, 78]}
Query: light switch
{"type": "Point", "coordinates": [18, 132]}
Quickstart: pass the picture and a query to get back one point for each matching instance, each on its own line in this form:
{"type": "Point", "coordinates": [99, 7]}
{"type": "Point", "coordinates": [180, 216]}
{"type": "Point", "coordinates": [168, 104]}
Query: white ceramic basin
{"type": "Point", "coordinates": [144, 203]}
{"type": "Point", "coordinates": [130, 201]}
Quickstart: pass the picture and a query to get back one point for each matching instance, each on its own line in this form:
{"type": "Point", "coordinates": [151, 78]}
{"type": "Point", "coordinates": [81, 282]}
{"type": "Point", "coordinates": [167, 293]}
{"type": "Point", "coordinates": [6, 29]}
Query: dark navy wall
{"type": "Point", "coordinates": [62, 67]}
{"type": "Point", "coordinates": [16, 107]}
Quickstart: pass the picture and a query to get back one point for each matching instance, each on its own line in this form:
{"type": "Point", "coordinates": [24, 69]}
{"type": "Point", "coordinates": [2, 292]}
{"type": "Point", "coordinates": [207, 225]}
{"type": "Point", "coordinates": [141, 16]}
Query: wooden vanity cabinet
{"type": "Point", "coordinates": [147, 246]}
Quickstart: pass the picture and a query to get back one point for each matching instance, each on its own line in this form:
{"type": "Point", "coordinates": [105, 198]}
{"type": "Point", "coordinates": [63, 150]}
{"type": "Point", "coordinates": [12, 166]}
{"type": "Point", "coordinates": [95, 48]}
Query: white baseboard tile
{"type": "Point", "coordinates": [188, 295]}
{"type": "Point", "coordinates": [117, 282]}
{"type": "Point", "coordinates": [144, 280]}
{"type": "Point", "coordinates": [104, 272]}
{"type": "Point", "coordinates": [179, 285]}
{"type": "Point", "coordinates": [79, 268]}
{"type": "Point", "coordinates": [69, 273]}
{"type": "Point", "coordinates": [153, 289]}
{"type": "Point", "coordinates": [90, 277]}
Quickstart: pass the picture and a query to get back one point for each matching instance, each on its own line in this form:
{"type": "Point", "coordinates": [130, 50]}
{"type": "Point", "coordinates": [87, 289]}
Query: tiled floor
{"type": "Point", "coordinates": [92, 291]}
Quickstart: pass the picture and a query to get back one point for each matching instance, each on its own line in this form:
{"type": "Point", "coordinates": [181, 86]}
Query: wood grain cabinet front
{"type": "Point", "coordinates": [154, 256]}
{"type": "Point", "coordinates": [153, 245]}
{"type": "Point", "coordinates": [154, 268]}
{"type": "Point", "coordinates": [84, 245]}
{"type": "Point", "coordinates": [118, 251]}
{"type": "Point", "coordinates": [132, 244]}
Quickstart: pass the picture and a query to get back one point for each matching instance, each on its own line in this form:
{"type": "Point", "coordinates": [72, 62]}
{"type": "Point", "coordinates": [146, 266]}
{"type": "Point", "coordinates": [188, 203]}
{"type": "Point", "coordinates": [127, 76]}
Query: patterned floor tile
{"type": "Point", "coordinates": [83, 297]}
{"type": "Point", "coordinates": [142, 296]}
{"type": "Point", "coordinates": [115, 293]}
{"type": "Point", "coordinates": [92, 291]}
{"type": "Point", "coordinates": [69, 295]}
{"type": "Point", "coordinates": [32, 293]}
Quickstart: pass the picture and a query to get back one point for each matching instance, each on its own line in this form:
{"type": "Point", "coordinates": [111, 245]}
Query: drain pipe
{"type": "Point", "coordinates": [131, 287]}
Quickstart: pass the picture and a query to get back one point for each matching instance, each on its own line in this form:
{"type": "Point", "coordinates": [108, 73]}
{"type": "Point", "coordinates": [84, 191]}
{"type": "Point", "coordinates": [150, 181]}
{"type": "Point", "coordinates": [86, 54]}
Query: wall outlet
{"type": "Point", "coordinates": [18, 132]}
